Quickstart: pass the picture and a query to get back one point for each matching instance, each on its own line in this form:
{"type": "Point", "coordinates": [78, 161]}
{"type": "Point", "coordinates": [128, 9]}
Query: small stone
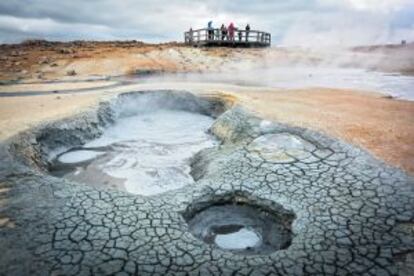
{"type": "Point", "coordinates": [71, 73]}
{"type": "Point", "coordinates": [66, 51]}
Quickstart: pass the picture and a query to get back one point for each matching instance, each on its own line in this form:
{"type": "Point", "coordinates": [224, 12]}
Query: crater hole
{"type": "Point", "coordinates": [241, 226]}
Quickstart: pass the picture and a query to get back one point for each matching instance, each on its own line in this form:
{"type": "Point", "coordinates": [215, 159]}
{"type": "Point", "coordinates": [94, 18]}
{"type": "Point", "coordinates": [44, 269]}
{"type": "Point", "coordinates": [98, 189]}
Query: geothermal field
{"type": "Point", "coordinates": [125, 158]}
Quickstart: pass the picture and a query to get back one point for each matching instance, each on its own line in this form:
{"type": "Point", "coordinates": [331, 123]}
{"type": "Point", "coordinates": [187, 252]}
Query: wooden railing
{"type": "Point", "coordinates": [215, 37]}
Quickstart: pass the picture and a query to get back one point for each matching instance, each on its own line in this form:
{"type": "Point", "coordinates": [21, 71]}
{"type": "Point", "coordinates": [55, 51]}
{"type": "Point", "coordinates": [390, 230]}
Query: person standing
{"type": "Point", "coordinates": [247, 32]}
{"type": "Point", "coordinates": [190, 35]}
{"type": "Point", "coordinates": [223, 30]}
{"type": "Point", "coordinates": [231, 29]}
{"type": "Point", "coordinates": [210, 30]}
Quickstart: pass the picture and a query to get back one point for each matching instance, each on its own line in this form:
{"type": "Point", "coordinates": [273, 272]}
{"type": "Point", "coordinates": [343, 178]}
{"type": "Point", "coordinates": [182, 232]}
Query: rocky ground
{"type": "Point", "coordinates": [352, 213]}
{"type": "Point", "coordinates": [36, 61]}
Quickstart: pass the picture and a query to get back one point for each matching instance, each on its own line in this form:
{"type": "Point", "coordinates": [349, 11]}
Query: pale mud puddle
{"type": "Point", "coordinates": [238, 239]}
{"type": "Point", "coordinates": [147, 153]}
{"type": "Point", "coordinates": [242, 229]}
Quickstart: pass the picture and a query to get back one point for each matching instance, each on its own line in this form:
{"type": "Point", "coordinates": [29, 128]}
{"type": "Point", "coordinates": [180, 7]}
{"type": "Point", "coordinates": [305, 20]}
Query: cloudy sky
{"type": "Point", "coordinates": [291, 22]}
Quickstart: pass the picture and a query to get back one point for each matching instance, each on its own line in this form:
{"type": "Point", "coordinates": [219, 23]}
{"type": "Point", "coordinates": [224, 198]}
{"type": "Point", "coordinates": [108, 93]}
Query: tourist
{"type": "Point", "coordinates": [210, 30]}
{"type": "Point", "coordinates": [247, 32]}
{"type": "Point", "coordinates": [190, 35]}
{"type": "Point", "coordinates": [231, 29]}
{"type": "Point", "coordinates": [240, 35]}
{"type": "Point", "coordinates": [223, 30]}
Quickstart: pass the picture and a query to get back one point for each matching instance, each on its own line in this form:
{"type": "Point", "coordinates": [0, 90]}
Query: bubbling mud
{"type": "Point", "coordinates": [146, 151]}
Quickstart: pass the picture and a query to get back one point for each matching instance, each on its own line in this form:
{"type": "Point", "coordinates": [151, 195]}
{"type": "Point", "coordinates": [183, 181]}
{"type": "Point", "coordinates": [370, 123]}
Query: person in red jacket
{"type": "Point", "coordinates": [231, 29]}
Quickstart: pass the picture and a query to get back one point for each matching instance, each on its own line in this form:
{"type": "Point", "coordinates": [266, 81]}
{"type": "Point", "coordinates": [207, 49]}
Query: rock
{"type": "Point", "coordinates": [66, 51]}
{"type": "Point", "coordinates": [36, 42]}
{"type": "Point", "coordinates": [71, 73]}
{"type": "Point", "coordinates": [148, 72]}
{"type": "Point", "coordinates": [44, 60]}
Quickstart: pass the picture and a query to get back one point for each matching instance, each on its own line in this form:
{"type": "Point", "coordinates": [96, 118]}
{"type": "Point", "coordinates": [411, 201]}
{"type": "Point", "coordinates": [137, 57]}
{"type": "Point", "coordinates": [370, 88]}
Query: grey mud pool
{"type": "Point", "coordinates": [170, 183]}
{"type": "Point", "coordinates": [145, 153]}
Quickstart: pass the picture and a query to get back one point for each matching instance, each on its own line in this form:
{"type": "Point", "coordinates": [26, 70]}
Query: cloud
{"type": "Point", "coordinates": [379, 5]}
{"type": "Point", "coordinates": [303, 22]}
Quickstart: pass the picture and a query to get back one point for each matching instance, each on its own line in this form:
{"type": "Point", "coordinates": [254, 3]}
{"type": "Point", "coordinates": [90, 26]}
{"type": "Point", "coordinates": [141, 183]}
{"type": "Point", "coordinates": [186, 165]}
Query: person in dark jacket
{"type": "Point", "coordinates": [247, 32]}
{"type": "Point", "coordinates": [223, 30]}
{"type": "Point", "coordinates": [240, 35]}
{"type": "Point", "coordinates": [190, 35]}
{"type": "Point", "coordinates": [210, 30]}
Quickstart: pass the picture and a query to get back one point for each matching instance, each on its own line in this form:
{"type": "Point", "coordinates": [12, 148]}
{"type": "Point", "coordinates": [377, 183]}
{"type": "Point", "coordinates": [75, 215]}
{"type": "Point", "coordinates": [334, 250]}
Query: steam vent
{"type": "Point", "coordinates": [169, 183]}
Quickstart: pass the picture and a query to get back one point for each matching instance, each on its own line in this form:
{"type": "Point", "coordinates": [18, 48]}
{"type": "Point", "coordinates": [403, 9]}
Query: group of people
{"type": "Point", "coordinates": [230, 31]}
{"type": "Point", "coordinates": [225, 33]}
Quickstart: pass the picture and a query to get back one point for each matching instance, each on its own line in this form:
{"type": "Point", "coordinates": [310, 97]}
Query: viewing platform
{"type": "Point", "coordinates": [242, 38]}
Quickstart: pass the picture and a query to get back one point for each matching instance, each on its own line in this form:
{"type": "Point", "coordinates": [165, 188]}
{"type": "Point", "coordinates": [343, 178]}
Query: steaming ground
{"type": "Point", "coordinates": [341, 210]}
{"type": "Point", "coordinates": [145, 154]}
{"type": "Point", "coordinates": [329, 90]}
{"type": "Point", "coordinates": [271, 186]}
{"type": "Point", "coordinates": [385, 69]}
{"type": "Point", "coordinates": [300, 77]}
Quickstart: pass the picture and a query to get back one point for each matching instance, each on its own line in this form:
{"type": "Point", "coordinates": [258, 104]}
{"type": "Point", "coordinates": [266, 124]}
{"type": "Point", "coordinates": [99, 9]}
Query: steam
{"type": "Point", "coordinates": [330, 67]}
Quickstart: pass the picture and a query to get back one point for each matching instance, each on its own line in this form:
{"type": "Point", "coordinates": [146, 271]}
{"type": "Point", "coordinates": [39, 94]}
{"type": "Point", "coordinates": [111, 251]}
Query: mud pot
{"type": "Point", "coordinates": [169, 183]}
{"type": "Point", "coordinates": [146, 151]}
{"type": "Point", "coordinates": [235, 224]}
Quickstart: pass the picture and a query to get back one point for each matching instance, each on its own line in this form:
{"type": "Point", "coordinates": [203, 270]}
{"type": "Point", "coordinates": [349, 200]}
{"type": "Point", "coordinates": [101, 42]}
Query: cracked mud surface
{"type": "Point", "coordinates": [354, 214]}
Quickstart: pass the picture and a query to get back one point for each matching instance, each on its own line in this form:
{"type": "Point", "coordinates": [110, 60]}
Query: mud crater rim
{"type": "Point", "coordinates": [241, 224]}
{"type": "Point", "coordinates": [78, 152]}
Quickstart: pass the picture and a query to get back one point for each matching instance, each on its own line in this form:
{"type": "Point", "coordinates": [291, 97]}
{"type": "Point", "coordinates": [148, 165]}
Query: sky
{"type": "Point", "coordinates": [291, 22]}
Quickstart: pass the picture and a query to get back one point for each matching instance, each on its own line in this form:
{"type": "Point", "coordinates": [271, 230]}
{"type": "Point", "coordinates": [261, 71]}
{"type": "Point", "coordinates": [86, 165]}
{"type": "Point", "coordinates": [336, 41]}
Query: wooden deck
{"type": "Point", "coordinates": [241, 38]}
